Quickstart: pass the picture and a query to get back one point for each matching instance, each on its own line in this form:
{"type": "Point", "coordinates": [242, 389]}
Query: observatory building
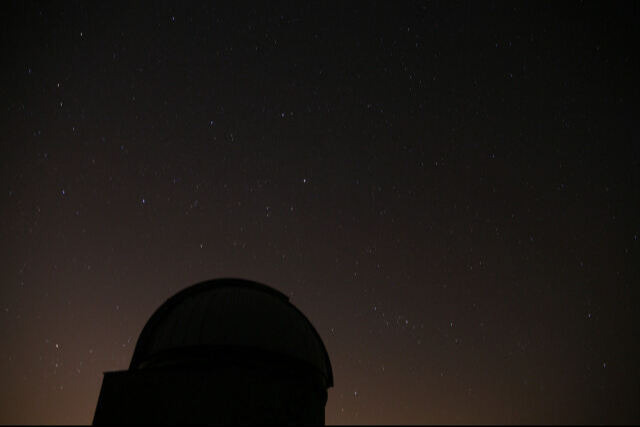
{"type": "Point", "coordinates": [225, 351]}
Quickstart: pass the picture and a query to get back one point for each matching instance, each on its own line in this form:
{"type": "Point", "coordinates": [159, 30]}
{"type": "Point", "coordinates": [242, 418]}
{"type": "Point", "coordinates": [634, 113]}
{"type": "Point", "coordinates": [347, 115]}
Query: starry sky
{"type": "Point", "coordinates": [448, 191]}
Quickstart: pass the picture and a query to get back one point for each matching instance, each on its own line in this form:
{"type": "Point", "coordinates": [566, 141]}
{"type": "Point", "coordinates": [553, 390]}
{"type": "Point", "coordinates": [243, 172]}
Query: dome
{"type": "Point", "coordinates": [230, 318]}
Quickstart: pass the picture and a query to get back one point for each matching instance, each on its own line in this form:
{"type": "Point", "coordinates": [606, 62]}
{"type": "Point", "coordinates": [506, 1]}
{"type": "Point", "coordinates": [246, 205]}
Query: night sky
{"type": "Point", "coordinates": [448, 191]}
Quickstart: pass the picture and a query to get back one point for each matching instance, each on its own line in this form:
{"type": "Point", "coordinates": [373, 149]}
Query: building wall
{"type": "Point", "coordinates": [219, 395]}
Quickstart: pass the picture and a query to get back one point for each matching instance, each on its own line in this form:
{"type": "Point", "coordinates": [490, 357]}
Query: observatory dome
{"type": "Point", "coordinates": [220, 320]}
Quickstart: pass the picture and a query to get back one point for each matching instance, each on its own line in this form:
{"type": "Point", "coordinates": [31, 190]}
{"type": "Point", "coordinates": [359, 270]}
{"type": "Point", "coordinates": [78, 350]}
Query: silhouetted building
{"type": "Point", "coordinates": [222, 351]}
